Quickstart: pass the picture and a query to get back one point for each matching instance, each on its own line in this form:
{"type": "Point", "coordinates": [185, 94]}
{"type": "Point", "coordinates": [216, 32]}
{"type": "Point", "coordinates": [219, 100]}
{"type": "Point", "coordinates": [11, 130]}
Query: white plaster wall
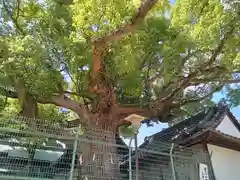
{"type": "Point", "coordinates": [227, 127]}
{"type": "Point", "coordinates": [226, 163]}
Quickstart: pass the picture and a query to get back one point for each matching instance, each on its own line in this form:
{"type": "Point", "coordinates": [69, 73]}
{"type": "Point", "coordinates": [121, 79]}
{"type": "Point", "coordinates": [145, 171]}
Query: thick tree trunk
{"type": "Point", "coordinates": [29, 113]}
{"type": "Point", "coordinates": [27, 102]}
{"type": "Point", "coordinates": [29, 107]}
{"type": "Point", "coordinates": [98, 150]}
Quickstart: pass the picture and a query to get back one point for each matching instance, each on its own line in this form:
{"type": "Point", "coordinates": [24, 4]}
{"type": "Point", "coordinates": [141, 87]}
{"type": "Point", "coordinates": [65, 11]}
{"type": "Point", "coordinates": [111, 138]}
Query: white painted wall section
{"type": "Point", "coordinates": [225, 162]}
{"type": "Point", "coordinates": [227, 127]}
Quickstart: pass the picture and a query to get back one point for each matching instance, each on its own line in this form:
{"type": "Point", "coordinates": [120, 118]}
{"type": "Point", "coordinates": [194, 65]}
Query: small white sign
{"type": "Point", "coordinates": [203, 172]}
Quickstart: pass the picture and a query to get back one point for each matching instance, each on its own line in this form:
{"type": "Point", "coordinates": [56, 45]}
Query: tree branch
{"type": "Point", "coordinates": [99, 85]}
{"type": "Point", "coordinates": [198, 81]}
{"type": "Point", "coordinates": [220, 47]}
{"type": "Point", "coordinates": [58, 100]}
{"type": "Point", "coordinates": [14, 20]}
{"type": "Point", "coordinates": [65, 102]}
{"type": "Point", "coordinates": [185, 81]}
{"type": "Point", "coordinates": [141, 13]}
{"type": "Point", "coordinates": [82, 94]}
{"type": "Point", "coordinates": [126, 111]}
{"type": "Point", "coordinates": [188, 101]}
{"type": "Point", "coordinates": [183, 84]}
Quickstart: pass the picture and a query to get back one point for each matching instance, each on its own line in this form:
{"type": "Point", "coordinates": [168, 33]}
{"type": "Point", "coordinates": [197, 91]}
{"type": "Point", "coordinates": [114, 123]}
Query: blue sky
{"type": "Point", "coordinates": [171, 1]}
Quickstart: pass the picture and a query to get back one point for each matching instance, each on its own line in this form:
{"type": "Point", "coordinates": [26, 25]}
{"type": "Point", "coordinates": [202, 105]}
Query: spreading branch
{"type": "Point", "coordinates": [129, 27]}
{"type": "Point", "coordinates": [186, 81]}
{"type": "Point", "coordinates": [126, 111]}
{"type": "Point", "coordinates": [220, 47]}
{"type": "Point", "coordinates": [206, 80]}
{"type": "Point", "coordinates": [14, 19]}
{"type": "Point", "coordinates": [99, 44]}
{"type": "Point", "coordinates": [59, 100]}
{"type": "Point", "coordinates": [81, 94]}
{"type": "Point", "coordinates": [193, 100]}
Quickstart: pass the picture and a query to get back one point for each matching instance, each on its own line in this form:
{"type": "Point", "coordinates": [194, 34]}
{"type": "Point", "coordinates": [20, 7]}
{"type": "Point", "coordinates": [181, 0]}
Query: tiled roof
{"type": "Point", "coordinates": [187, 128]}
{"type": "Point", "coordinates": [184, 130]}
{"type": "Point", "coordinates": [122, 148]}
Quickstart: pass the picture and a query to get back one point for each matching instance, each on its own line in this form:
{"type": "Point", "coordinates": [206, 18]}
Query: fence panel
{"type": "Point", "coordinates": [37, 149]}
{"type": "Point", "coordinates": [164, 161]}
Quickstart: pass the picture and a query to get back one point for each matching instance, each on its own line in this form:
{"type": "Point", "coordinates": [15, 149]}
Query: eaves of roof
{"type": "Point", "coordinates": [233, 119]}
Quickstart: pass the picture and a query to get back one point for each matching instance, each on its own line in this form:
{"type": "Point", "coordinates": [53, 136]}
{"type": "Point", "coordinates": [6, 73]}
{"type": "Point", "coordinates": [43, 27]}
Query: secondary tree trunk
{"type": "Point", "coordinates": [98, 150]}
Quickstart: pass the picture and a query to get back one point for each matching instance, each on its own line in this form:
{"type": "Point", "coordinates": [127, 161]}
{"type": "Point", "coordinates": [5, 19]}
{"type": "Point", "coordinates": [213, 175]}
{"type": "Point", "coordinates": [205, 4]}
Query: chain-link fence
{"type": "Point", "coordinates": [37, 149]}
{"type": "Point", "coordinates": [160, 160]}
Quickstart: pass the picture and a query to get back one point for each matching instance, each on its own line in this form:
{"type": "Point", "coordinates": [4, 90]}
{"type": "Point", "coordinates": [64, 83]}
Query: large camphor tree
{"type": "Point", "coordinates": [108, 59]}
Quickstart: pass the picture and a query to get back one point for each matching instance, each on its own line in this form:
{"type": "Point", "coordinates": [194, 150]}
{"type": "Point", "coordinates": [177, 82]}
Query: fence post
{"type": "Point", "coordinates": [172, 163]}
{"type": "Point", "coordinates": [136, 153]}
{"type": "Point", "coordinates": [74, 154]}
{"type": "Point", "coordinates": [130, 159]}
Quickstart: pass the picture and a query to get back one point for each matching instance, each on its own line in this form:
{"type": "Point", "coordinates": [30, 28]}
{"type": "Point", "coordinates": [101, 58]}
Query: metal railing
{"type": "Point", "coordinates": [34, 149]}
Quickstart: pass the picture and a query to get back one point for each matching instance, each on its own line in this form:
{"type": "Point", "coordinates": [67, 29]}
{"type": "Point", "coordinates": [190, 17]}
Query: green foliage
{"type": "Point", "coordinates": [48, 46]}
{"type": "Point", "coordinates": [87, 14]}
{"type": "Point", "coordinates": [233, 96]}
{"type": "Point", "coordinates": [52, 113]}
{"type": "Point", "coordinates": [127, 131]}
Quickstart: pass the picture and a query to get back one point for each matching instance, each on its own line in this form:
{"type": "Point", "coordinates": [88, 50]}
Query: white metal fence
{"type": "Point", "coordinates": [37, 149]}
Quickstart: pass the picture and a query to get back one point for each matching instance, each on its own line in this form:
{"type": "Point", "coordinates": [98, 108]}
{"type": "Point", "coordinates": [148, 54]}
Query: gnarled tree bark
{"type": "Point", "coordinates": [99, 150]}
{"type": "Point", "coordinates": [29, 112]}
{"type": "Point", "coordinates": [103, 119]}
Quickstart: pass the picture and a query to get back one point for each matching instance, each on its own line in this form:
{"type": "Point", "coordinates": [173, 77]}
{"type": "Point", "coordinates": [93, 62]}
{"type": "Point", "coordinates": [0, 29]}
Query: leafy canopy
{"type": "Point", "coordinates": [179, 55]}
